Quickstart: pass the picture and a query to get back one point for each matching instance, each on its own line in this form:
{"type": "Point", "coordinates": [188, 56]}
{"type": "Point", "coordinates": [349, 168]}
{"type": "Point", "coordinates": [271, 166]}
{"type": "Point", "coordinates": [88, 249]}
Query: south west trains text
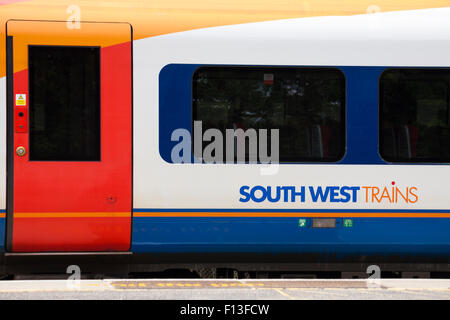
{"type": "Point", "coordinates": [345, 194]}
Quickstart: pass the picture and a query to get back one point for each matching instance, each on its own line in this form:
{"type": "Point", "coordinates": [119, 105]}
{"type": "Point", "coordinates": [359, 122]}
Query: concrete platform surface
{"type": "Point", "coordinates": [217, 289]}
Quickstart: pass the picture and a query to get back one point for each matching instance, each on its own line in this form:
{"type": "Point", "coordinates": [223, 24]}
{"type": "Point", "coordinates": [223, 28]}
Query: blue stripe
{"type": "Point", "coordinates": [2, 233]}
{"type": "Point", "coordinates": [368, 236]}
{"type": "Point", "coordinates": [295, 210]}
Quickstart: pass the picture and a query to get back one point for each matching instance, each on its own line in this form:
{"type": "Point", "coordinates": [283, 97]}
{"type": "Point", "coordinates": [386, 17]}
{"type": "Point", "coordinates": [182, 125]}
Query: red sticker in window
{"type": "Point", "coordinates": [268, 78]}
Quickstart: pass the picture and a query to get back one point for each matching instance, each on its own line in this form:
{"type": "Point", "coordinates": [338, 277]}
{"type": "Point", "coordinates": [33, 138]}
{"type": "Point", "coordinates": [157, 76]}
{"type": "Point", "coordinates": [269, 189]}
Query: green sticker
{"type": "Point", "coordinates": [302, 223]}
{"type": "Point", "coordinates": [348, 223]}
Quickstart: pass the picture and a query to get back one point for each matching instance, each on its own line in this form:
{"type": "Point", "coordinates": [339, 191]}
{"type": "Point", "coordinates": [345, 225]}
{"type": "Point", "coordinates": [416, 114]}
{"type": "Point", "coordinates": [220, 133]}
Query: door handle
{"type": "Point", "coordinates": [21, 151]}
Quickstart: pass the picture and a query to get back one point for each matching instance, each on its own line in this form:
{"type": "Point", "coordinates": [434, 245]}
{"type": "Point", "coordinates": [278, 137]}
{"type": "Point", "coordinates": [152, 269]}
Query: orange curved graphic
{"type": "Point", "coordinates": [56, 33]}
{"type": "Point", "coordinates": [4, 2]}
{"type": "Point", "coordinates": [158, 17]}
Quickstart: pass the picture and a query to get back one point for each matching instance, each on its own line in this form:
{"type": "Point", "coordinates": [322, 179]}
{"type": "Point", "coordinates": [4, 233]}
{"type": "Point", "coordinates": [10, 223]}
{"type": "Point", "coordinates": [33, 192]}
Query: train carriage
{"type": "Point", "coordinates": [124, 126]}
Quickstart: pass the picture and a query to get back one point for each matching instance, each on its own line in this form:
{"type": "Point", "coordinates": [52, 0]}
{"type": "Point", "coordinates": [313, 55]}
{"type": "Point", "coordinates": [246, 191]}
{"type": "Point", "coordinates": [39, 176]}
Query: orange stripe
{"type": "Point", "coordinates": [2, 215]}
{"type": "Point", "coordinates": [296, 214]}
{"type": "Point", "coordinates": [229, 214]}
{"type": "Point", "coordinates": [72, 214]}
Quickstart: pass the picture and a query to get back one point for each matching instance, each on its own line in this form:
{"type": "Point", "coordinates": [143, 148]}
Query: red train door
{"type": "Point", "coordinates": [69, 136]}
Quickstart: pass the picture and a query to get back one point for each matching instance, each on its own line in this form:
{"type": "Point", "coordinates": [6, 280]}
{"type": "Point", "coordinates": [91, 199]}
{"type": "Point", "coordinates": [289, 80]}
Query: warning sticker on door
{"type": "Point", "coordinates": [21, 99]}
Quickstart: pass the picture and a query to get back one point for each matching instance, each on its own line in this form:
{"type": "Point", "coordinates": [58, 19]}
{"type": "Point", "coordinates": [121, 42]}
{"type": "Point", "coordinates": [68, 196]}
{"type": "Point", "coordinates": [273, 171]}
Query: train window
{"type": "Point", "coordinates": [64, 103]}
{"type": "Point", "coordinates": [307, 105]}
{"type": "Point", "coordinates": [414, 115]}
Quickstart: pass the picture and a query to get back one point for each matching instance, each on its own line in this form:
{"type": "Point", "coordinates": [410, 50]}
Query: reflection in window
{"type": "Point", "coordinates": [414, 115]}
{"type": "Point", "coordinates": [305, 104]}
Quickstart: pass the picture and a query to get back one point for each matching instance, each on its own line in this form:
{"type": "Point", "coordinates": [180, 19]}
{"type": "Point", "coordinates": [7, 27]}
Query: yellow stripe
{"type": "Point", "coordinates": [296, 214]}
{"type": "Point", "coordinates": [72, 214]}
